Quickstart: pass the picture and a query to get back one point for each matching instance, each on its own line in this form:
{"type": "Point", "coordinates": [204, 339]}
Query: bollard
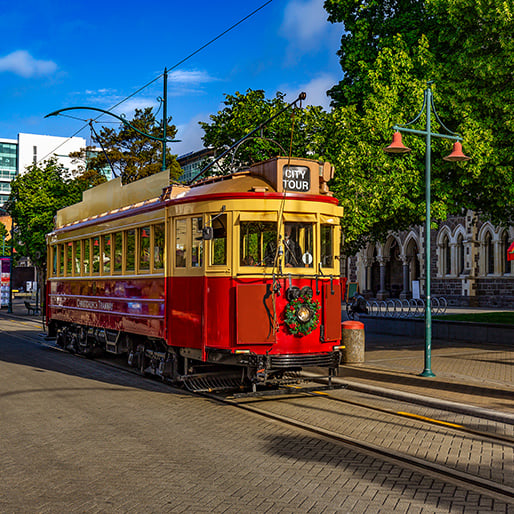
{"type": "Point", "coordinates": [353, 341]}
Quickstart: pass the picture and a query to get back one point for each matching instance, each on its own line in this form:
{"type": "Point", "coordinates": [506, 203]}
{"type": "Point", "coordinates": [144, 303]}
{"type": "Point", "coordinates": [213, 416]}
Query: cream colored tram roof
{"type": "Point", "coordinates": [113, 196]}
{"type": "Point", "coordinates": [241, 182]}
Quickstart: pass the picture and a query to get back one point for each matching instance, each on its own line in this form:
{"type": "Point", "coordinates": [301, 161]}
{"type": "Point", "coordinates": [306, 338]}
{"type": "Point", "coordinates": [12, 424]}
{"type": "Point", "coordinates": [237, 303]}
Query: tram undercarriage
{"type": "Point", "coordinates": [219, 370]}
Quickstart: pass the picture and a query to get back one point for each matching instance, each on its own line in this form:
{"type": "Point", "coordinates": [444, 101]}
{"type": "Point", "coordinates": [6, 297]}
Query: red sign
{"type": "Point", "coordinates": [510, 252]}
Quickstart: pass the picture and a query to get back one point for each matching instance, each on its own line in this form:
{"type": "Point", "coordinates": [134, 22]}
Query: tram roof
{"type": "Point", "coordinates": [278, 175]}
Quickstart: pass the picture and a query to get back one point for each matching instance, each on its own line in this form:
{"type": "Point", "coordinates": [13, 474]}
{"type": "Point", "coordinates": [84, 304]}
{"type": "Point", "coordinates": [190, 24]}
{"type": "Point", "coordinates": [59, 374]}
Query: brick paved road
{"type": "Point", "coordinates": [76, 436]}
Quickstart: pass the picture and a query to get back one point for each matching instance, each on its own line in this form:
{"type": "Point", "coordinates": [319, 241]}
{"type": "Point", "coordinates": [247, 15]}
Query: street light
{"type": "Point", "coordinates": [397, 147]}
{"type": "Point", "coordinates": [164, 100]}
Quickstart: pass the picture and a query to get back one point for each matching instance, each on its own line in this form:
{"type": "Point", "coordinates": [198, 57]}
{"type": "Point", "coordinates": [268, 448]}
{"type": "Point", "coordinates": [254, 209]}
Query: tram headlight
{"type": "Point", "coordinates": [304, 314]}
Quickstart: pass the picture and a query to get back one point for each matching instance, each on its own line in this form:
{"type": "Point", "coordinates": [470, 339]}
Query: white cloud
{"type": "Point", "coordinates": [304, 21]}
{"type": "Point", "coordinates": [316, 90]}
{"type": "Point", "coordinates": [190, 135]}
{"type": "Point", "coordinates": [190, 77]}
{"type": "Point", "coordinates": [23, 64]}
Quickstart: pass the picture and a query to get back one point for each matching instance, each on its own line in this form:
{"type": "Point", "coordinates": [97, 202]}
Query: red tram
{"type": "Point", "coordinates": [239, 270]}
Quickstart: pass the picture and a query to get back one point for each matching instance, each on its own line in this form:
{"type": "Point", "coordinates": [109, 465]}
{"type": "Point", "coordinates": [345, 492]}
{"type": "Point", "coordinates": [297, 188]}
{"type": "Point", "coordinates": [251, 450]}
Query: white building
{"type": "Point", "coordinates": [33, 148]}
{"type": "Point", "coordinates": [17, 154]}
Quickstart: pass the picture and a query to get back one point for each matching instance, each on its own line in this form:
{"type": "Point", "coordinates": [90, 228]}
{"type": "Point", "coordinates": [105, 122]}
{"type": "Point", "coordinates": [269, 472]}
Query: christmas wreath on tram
{"type": "Point", "coordinates": [301, 314]}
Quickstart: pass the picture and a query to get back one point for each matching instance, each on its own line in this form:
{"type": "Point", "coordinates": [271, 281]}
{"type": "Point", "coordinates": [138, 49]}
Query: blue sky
{"type": "Point", "coordinates": [62, 53]}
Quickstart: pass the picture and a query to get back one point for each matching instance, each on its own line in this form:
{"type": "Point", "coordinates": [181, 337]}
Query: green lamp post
{"type": "Point", "coordinates": [163, 139]}
{"type": "Point", "coordinates": [397, 147]}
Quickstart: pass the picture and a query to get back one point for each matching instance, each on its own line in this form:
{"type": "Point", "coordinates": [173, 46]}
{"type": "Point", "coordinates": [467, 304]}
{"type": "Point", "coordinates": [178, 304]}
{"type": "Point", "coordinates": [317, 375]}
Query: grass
{"type": "Point", "coordinates": [506, 318]}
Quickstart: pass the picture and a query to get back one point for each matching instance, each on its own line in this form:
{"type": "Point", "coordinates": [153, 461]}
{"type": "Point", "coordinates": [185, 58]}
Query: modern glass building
{"type": "Point", "coordinates": [8, 166]}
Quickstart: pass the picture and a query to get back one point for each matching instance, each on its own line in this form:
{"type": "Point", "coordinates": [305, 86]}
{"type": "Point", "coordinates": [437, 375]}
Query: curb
{"type": "Point", "coordinates": [461, 408]}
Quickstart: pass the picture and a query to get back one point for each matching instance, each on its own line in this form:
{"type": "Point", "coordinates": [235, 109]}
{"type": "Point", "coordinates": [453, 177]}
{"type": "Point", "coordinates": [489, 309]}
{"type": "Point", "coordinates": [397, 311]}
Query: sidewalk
{"type": "Point", "coordinates": [473, 378]}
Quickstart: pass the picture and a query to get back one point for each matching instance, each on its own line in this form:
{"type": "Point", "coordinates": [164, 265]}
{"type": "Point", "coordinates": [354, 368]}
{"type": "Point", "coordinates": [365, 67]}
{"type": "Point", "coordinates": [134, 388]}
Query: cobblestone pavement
{"type": "Point", "coordinates": [77, 436]}
{"type": "Point", "coordinates": [478, 375]}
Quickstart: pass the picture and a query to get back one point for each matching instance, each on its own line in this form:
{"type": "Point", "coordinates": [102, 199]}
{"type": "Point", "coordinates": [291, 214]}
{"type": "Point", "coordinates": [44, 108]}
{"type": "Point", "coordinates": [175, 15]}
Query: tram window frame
{"type": "Point", "coordinates": [95, 255]}
{"type": "Point", "coordinates": [86, 257]}
{"type": "Point", "coordinates": [146, 268]}
{"type": "Point", "coordinates": [196, 242]}
{"type": "Point", "coordinates": [180, 261]}
{"type": "Point", "coordinates": [68, 259]}
{"type": "Point", "coordinates": [53, 259]}
{"type": "Point", "coordinates": [106, 252]}
{"type": "Point", "coordinates": [219, 242]}
{"type": "Point", "coordinates": [130, 253]}
{"type": "Point", "coordinates": [325, 263]}
{"type": "Point", "coordinates": [301, 230]}
{"type": "Point", "coordinates": [265, 240]}
{"type": "Point", "coordinates": [158, 243]}
{"type": "Point", "coordinates": [77, 258]}
{"type": "Point", "coordinates": [118, 246]}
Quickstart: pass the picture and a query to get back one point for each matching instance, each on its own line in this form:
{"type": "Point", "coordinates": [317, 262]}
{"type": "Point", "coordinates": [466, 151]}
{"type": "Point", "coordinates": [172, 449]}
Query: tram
{"type": "Point", "coordinates": [236, 272]}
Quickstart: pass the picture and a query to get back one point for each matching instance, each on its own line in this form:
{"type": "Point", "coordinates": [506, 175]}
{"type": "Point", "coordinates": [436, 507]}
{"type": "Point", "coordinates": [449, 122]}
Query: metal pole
{"type": "Point", "coordinates": [164, 117]}
{"type": "Point", "coordinates": [9, 306]}
{"type": "Point", "coordinates": [427, 372]}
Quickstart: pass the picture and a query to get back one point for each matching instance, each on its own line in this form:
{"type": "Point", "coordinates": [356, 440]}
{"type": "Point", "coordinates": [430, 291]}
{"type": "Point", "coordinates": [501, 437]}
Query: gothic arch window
{"type": "Point", "coordinates": [444, 260]}
{"type": "Point", "coordinates": [504, 248]}
{"type": "Point", "coordinates": [460, 254]}
{"type": "Point", "coordinates": [447, 256]}
{"type": "Point", "coordinates": [489, 254]}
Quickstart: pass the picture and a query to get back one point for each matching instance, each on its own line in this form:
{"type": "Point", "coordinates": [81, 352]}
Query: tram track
{"type": "Point", "coordinates": [462, 479]}
{"type": "Point", "coordinates": [458, 478]}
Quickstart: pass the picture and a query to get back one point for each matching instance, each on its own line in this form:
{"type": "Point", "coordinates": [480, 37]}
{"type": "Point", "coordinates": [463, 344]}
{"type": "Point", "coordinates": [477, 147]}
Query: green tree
{"type": "Point", "coordinates": [245, 112]}
{"type": "Point", "coordinates": [35, 198]}
{"type": "Point", "coordinates": [4, 238]}
{"type": "Point", "coordinates": [132, 155]}
{"type": "Point", "coordinates": [388, 51]}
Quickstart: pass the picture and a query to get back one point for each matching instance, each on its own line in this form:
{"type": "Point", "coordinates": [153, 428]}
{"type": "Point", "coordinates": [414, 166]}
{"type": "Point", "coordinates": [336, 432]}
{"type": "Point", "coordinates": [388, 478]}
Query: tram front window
{"type": "Point", "coordinates": [256, 236]}
{"type": "Point", "coordinates": [298, 245]}
{"type": "Point", "coordinates": [219, 241]}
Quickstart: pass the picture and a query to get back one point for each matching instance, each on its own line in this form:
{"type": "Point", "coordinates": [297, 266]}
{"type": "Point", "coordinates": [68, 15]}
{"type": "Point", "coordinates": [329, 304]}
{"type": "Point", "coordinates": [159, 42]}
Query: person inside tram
{"type": "Point", "coordinates": [292, 250]}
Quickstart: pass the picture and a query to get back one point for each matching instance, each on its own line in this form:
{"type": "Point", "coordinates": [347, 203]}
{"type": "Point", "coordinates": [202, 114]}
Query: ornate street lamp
{"type": "Point", "coordinates": [397, 147]}
{"type": "Point", "coordinates": [164, 139]}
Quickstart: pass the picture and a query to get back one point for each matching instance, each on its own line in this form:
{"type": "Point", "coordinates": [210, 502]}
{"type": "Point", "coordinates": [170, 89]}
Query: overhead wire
{"type": "Point", "coordinates": [182, 61]}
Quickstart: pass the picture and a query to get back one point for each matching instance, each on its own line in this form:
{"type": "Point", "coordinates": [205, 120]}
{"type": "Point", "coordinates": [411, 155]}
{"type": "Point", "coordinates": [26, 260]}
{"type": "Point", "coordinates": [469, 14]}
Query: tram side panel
{"type": "Point", "coordinates": [127, 305]}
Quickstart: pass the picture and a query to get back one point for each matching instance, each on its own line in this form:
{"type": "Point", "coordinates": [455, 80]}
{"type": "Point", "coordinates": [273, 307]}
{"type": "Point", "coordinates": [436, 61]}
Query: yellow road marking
{"type": "Point", "coordinates": [423, 418]}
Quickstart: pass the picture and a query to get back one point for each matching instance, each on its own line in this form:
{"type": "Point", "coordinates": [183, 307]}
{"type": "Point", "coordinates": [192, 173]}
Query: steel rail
{"type": "Point", "coordinates": [458, 478]}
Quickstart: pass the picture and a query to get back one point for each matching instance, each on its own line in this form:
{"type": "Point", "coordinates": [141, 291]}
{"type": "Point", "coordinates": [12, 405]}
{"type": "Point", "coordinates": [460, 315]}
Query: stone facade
{"type": "Point", "coordinates": [469, 264]}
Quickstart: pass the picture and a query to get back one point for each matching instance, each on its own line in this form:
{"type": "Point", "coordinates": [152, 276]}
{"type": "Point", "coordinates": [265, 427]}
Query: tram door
{"type": "Point", "coordinates": [186, 284]}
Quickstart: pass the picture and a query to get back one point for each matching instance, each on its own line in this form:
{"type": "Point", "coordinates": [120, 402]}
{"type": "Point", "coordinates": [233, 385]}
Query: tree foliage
{"type": "Point", "coordinates": [132, 155]}
{"type": "Point", "coordinates": [388, 52]}
{"type": "Point", "coordinates": [35, 198]}
{"type": "Point", "coordinates": [245, 112]}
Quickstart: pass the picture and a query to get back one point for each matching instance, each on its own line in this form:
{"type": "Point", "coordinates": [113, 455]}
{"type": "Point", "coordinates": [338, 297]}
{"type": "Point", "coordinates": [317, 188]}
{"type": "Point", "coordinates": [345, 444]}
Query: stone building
{"type": "Point", "coordinates": [469, 265]}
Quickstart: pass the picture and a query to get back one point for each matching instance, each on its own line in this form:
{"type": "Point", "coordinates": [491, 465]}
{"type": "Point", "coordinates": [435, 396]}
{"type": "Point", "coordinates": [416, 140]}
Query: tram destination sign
{"type": "Point", "coordinates": [296, 178]}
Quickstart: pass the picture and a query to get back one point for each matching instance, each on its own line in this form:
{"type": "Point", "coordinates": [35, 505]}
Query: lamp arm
{"type": "Point", "coordinates": [440, 122]}
{"type": "Point", "coordinates": [121, 118]}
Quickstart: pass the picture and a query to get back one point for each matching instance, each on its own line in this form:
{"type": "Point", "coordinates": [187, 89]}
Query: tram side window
{"type": "Point", "coordinates": [144, 249]}
{"type": "Point", "coordinates": [158, 246]}
{"type": "Point", "coordinates": [327, 245]}
{"type": "Point", "coordinates": [60, 254]}
{"type": "Point", "coordinates": [118, 252]}
{"type": "Point", "coordinates": [219, 241]}
{"type": "Point", "coordinates": [78, 256]}
{"type": "Point", "coordinates": [196, 242]}
{"type": "Point", "coordinates": [257, 243]}
{"type": "Point", "coordinates": [180, 242]}
{"type": "Point", "coordinates": [53, 254]}
{"type": "Point", "coordinates": [69, 258]}
{"type": "Point", "coordinates": [106, 254]}
{"type": "Point", "coordinates": [87, 257]}
{"type": "Point", "coordinates": [96, 255]}
{"type": "Point", "coordinates": [131, 251]}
